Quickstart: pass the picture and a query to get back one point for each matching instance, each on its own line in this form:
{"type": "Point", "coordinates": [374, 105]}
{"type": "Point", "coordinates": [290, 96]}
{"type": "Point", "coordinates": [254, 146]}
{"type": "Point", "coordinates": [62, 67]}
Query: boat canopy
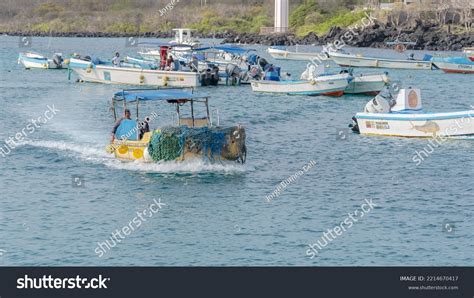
{"type": "Point", "coordinates": [163, 44]}
{"type": "Point", "coordinates": [226, 48]}
{"type": "Point", "coordinates": [171, 96]}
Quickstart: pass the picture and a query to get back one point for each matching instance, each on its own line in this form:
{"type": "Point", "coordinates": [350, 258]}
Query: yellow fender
{"type": "Point", "coordinates": [123, 149]}
{"type": "Point", "coordinates": [137, 153]}
{"type": "Point", "coordinates": [142, 79]}
{"type": "Point", "coordinates": [313, 82]}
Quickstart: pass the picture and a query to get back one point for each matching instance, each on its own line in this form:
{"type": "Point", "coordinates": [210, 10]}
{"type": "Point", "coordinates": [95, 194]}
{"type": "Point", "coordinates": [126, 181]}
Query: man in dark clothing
{"type": "Point", "coordinates": [144, 127]}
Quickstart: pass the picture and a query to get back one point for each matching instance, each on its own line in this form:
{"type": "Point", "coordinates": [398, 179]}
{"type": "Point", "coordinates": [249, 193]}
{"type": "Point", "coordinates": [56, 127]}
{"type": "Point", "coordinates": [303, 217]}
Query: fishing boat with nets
{"type": "Point", "coordinates": [191, 137]}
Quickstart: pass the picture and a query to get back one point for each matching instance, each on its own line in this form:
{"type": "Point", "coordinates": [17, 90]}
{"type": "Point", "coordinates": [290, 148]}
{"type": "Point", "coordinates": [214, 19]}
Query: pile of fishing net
{"type": "Point", "coordinates": [170, 143]}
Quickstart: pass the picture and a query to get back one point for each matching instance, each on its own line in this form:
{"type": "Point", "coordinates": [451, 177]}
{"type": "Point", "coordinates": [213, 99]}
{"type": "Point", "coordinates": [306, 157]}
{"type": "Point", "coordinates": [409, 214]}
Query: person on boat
{"type": "Point", "coordinates": [411, 57]}
{"type": "Point", "coordinates": [144, 127]}
{"type": "Point", "coordinates": [169, 63]}
{"type": "Point", "coordinates": [116, 59]}
{"type": "Point", "coordinates": [127, 116]}
{"type": "Point", "coordinates": [194, 64]}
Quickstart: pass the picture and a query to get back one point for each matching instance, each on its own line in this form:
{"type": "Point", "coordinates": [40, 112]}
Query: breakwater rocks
{"type": "Point", "coordinates": [427, 37]}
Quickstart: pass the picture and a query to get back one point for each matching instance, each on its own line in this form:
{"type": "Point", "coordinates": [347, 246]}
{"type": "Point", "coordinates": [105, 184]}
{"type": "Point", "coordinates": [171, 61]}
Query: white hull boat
{"type": "Point", "coordinates": [407, 119]}
{"type": "Point", "coordinates": [89, 72]}
{"type": "Point", "coordinates": [348, 60]}
{"type": "Point", "coordinates": [370, 84]}
{"type": "Point", "coordinates": [281, 54]}
{"type": "Point", "coordinates": [333, 85]}
{"type": "Point", "coordinates": [35, 60]}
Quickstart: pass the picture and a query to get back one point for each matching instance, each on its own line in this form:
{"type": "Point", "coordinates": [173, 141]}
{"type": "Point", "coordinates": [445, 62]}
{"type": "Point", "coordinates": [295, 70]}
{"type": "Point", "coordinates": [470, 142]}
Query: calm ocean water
{"type": "Point", "coordinates": [217, 214]}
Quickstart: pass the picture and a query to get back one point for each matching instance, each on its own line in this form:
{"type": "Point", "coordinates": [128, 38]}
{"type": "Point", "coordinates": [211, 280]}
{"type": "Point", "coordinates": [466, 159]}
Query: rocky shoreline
{"type": "Point", "coordinates": [426, 35]}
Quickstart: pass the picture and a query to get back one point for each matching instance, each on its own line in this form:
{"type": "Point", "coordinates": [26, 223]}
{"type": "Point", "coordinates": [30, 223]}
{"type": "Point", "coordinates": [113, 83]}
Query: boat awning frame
{"type": "Point", "coordinates": [171, 95]}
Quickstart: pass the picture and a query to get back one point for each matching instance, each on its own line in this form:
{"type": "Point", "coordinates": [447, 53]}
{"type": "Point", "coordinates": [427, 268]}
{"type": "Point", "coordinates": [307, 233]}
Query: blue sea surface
{"type": "Point", "coordinates": [61, 193]}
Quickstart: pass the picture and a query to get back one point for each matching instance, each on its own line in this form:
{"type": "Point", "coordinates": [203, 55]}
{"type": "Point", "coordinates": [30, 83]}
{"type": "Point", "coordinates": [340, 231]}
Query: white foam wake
{"type": "Point", "coordinates": [97, 154]}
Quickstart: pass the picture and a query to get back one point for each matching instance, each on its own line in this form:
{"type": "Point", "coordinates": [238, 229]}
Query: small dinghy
{"type": "Point", "coordinates": [35, 60]}
{"type": "Point", "coordinates": [190, 137]}
{"type": "Point", "coordinates": [404, 117]}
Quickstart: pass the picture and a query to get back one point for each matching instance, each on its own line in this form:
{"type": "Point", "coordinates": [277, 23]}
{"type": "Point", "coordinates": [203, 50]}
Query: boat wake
{"type": "Point", "coordinates": [96, 154]}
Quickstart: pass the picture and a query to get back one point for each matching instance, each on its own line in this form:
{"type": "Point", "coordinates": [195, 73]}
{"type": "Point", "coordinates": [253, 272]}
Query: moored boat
{"type": "Point", "coordinates": [35, 60]}
{"type": "Point", "coordinates": [330, 85]}
{"type": "Point", "coordinates": [284, 54]}
{"type": "Point", "coordinates": [95, 70]}
{"type": "Point", "coordinates": [404, 117]}
{"type": "Point", "coordinates": [350, 60]}
{"type": "Point", "coordinates": [190, 138]}
{"type": "Point", "coordinates": [367, 84]}
{"type": "Point", "coordinates": [454, 64]}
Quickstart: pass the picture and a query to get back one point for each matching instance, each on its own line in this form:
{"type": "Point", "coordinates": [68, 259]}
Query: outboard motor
{"type": "Point", "coordinates": [233, 73]}
{"type": "Point", "coordinates": [58, 60]}
{"type": "Point", "coordinates": [262, 62]}
{"type": "Point", "coordinates": [214, 75]}
{"type": "Point", "coordinates": [255, 73]}
{"type": "Point", "coordinates": [210, 76]}
{"type": "Point", "coordinates": [382, 103]}
{"type": "Point", "coordinates": [354, 126]}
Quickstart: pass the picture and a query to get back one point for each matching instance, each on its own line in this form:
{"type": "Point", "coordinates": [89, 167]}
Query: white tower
{"type": "Point", "coordinates": [281, 16]}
